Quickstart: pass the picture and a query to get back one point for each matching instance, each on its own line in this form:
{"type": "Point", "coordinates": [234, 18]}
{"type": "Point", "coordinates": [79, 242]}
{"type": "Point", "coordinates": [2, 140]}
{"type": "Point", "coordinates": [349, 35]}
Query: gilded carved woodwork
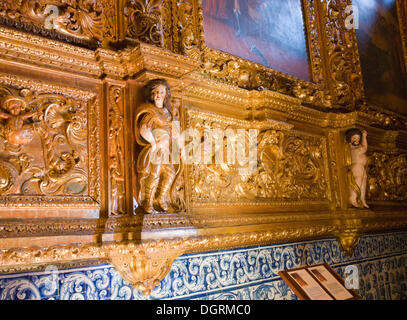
{"type": "Point", "coordinates": [342, 59]}
{"type": "Point", "coordinates": [402, 15]}
{"type": "Point", "coordinates": [333, 165]}
{"type": "Point", "coordinates": [143, 21]}
{"type": "Point", "coordinates": [159, 174]}
{"type": "Point", "coordinates": [387, 177]}
{"type": "Point", "coordinates": [81, 19]}
{"type": "Point", "coordinates": [60, 149]}
{"type": "Point", "coordinates": [144, 267]}
{"type": "Point", "coordinates": [44, 137]}
{"type": "Point", "coordinates": [116, 152]}
{"type": "Point", "coordinates": [290, 166]}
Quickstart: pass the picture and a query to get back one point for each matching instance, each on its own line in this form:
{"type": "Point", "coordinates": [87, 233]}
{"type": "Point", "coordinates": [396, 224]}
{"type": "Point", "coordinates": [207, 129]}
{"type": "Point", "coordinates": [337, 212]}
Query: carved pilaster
{"type": "Point", "coordinates": [116, 155]}
{"type": "Point", "coordinates": [343, 77]}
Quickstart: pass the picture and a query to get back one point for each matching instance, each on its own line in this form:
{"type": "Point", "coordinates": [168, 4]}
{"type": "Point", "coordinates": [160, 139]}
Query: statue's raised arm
{"type": "Point", "coordinates": [357, 176]}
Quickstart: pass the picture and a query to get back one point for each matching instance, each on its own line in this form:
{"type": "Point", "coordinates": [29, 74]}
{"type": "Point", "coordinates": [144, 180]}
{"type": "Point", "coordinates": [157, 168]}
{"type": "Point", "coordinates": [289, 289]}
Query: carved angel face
{"type": "Point", "coordinates": [355, 140]}
{"type": "Point", "coordinates": [158, 95]}
{"type": "Point", "coordinates": [14, 106]}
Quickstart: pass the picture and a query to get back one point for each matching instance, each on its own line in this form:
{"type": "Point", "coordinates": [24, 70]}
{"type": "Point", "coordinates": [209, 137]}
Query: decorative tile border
{"type": "Point", "coordinates": [244, 274]}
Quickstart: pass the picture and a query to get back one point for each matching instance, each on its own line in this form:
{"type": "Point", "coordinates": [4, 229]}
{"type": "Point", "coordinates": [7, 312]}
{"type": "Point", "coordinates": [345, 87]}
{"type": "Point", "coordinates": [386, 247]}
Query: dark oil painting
{"type": "Point", "coordinates": [381, 54]}
{"type": "Point", "coordinates": [268, 32]}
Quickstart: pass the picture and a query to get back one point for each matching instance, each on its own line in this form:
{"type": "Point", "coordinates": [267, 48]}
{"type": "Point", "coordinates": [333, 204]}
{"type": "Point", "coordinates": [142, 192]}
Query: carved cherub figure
{"type": "Point", "coordinates": [357, 141]}
{"type": "Point", "coordinates": [14, 129]}
{"type": "Point", "coordinates": [153, 132]}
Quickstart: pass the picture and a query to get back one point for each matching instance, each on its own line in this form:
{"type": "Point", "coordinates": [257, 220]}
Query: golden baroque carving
{"type": "Point", "coordinates": [402, 15]}
{"type": "Point", "coordinates": [116, 152]}
{"type": "Point", "coordinates": [160, 180]}
{"type": "Point", "coordinates": [387, 177]}
{"type": "Point", "coordinates": [145, 264]}
{"type": "Point", "coordinates": [348, 241]}
{"type": "Point", "coordinates": [144, 267]}
{"type": "Point", "coordinates": [45, 143]}
{"type": "Point", "coordinates": [143, 21]}
{"type": "Point", "coordinates": [334, 167]}
{"type": "Point", "coordinates": [80, 19]}
{"type": "Point", "coordinates": [345, 82]}
{"type": "Point", "coordinates": [290, 166]}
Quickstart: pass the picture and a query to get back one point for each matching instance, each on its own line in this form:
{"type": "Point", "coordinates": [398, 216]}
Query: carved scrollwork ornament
{"type": "Point", "coordinates": [79, 19]}
{"type": "Point", "coordinates": [143, 21]}
{"type": "Point", "coordinates": [44, 138]}
{"type": "Point", "coordinates": [387, 177]}
{"type": "Point", "coordinates": [143, 268]}
{"type": "Point", "coordinates": [116, 153]}
{"type": "Point", "coordinates": [290, 167]}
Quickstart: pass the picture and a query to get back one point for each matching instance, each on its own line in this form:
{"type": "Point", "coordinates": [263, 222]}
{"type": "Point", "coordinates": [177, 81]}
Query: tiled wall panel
{"type": "Point", "coordinates": [245, 273]}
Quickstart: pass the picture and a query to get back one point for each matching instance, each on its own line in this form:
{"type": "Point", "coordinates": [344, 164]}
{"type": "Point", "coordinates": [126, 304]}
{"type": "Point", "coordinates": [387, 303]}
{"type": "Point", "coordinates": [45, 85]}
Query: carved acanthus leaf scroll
{"type": "Point", "coordinates": [387, 177]}
{"type": "Point", "coordinates": [81, 19]}
{"type": "Point", "coordinates": [345, 83]}
{"type": "Point", "coordinates": [44, 144]}
{"type": "Point", "coordinates": [144, 267]}
{"type": "Point", "coordinates": [143, 21]}
{"type": "Point", "coordinates": [290, 167]}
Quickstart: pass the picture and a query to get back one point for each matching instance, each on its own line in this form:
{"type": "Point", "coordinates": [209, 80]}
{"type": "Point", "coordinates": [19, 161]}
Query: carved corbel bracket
{"type": "Point", "coordinates": [348, 241]}
{"type": "Point", "coordinates": [144, 266]}
{"type": "Point", "coordinates": [271, 105]}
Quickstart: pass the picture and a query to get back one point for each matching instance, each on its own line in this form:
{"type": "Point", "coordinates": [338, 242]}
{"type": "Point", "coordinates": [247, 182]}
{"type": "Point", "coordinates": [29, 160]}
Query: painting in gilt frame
{"type": "Point", "coordinates": [381, 54]}
{"type": "Point", "coordinates": [270, 33]}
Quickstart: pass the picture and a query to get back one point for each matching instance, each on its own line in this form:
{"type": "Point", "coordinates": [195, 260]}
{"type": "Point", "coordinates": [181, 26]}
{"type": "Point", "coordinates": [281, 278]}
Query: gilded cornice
{"type": "Point", "coordinates": [244, 124]}
{"type": "Point", "coordinates": [46, 87]}
{"type": "Point", "coordinates": [148, 57]}
{"type": "Point", "coordinates": [33, 49]}
{"type": "Point", "coordinates": [46, 227]}
{"type": "Point", "coordinates": [145, 263]}
{"type": "Point", "coordinates": [163, 222]}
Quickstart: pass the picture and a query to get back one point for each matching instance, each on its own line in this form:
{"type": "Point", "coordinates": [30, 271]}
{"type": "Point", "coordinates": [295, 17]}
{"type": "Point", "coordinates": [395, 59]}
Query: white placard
{"type": "Point", "coordinates": [330, 283]}
{"type": "Point", "coordinates": [309, 285]}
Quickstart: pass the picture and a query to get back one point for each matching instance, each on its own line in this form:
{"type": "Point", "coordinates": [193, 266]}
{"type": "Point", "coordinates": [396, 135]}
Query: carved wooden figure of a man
{"type": "Point", "coordinates": [153, 131]}
{"type": "Point", "coordinates": [357, 141]}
